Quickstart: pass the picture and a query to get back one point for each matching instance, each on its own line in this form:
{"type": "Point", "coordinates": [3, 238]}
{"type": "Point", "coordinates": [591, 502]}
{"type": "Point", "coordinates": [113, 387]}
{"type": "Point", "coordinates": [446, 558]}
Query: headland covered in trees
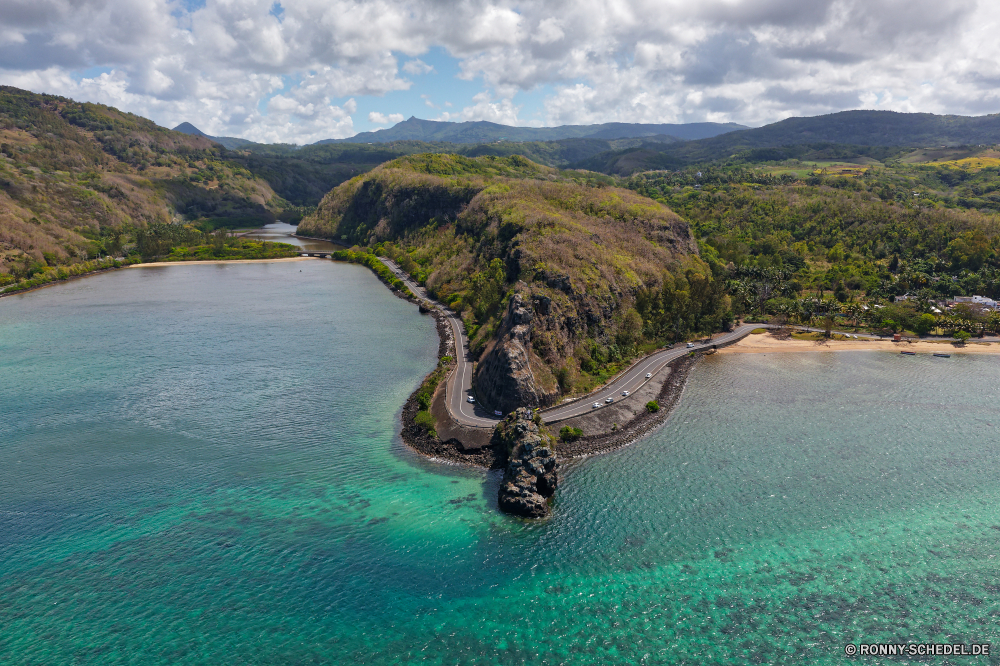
{"type": "Point", "coordinates": [566, 259]}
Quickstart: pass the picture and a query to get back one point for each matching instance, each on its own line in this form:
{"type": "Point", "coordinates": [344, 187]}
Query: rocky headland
{"type": "Point", "coordinates": [531, 475]}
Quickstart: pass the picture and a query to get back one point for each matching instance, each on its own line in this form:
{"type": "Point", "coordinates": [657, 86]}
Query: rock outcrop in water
{"type": "Point", "coordinates": [504, 379]}
{"type": "Point", "coordinates": [531, 476]}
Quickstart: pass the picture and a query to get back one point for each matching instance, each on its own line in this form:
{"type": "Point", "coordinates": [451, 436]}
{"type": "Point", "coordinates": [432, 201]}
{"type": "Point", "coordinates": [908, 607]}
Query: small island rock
{"type": "Point", "coordinates": [530, 477]}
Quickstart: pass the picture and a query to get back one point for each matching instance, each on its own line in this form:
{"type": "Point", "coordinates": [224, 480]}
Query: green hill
{"type": "Point", "coordinates": [598, 273]}
{"type": "Point", "coordinates": [71, 173]}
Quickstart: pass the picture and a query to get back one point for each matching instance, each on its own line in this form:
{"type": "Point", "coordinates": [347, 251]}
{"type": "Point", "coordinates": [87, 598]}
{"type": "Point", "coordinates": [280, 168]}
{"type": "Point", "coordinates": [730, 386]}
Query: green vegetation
{"type": "Point", "coordinates": [652, 406]}
{"type": "Point", "coordinates": [37, 276]}
{"type": "Point", "coordinates": [570, 434]}
{"type": "Point", "coordinates": [425, 394]}
{"type": "Point", "coordinates": [834, 245]}
{"type": "Point", "coordinates": [371, 261]}
{"type": "Point", "coordinates": [239, 248]}
{"type": "Point", "coordinates": [424, 419]}
{"type": "Point", "coordinates": [612, 273]}
{"type": "Point", "coordinates": [83, 181]}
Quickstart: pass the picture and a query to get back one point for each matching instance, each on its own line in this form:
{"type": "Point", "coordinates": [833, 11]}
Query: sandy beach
{"type": "Point", "coordinates": [221, 261]}
{"type": "Point", "coordinates": [764, 343]}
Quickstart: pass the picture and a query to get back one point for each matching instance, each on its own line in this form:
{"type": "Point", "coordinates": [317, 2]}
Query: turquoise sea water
{"type": "Point", "coordinates": [199, 465]}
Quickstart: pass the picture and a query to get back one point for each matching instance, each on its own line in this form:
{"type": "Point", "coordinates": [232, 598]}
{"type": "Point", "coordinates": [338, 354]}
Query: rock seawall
{"type": "Point", "coordinates": [531, 475]}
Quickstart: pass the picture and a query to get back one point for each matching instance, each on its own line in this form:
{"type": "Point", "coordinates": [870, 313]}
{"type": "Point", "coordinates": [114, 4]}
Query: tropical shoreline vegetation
{"type": "Point", "coordinates": [867, 229]}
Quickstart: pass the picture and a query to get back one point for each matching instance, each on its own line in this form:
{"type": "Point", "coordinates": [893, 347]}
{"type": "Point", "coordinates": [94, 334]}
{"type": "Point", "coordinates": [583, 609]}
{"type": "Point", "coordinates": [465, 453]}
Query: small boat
{"type": "Point", "coordinates": [909, 353]}
{"type": "Point", "coordinates": [943, 355]}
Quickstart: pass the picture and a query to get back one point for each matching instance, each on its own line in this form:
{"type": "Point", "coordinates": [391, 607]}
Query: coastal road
{"type": "Point", "coordinates": [634, 378]}
{"type": "Point", "coordinates": [459, 386]}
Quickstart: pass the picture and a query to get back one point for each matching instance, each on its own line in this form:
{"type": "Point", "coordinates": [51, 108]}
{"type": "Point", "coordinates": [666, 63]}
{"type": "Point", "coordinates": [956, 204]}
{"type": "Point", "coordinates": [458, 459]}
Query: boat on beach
{"type": "Point", "coordinates": [939, 355]}
{"type": "Point", "coordinates": [908, 353]}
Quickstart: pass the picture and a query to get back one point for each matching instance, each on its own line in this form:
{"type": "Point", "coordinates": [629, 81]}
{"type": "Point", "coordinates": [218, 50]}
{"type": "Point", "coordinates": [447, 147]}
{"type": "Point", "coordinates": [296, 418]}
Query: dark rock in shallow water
{"type": "Point", "coordinates": [531, 476]}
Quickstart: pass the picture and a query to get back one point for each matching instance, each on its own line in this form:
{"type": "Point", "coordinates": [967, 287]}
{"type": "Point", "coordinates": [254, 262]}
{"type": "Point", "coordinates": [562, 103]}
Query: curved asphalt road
{"type": "Point", "coordinates": [459, 386]}
{"type": "Point", "coordinates": [634, 378]}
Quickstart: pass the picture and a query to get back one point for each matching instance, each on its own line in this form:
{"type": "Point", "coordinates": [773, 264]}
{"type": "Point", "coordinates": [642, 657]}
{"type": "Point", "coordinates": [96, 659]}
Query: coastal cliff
{"type": "Point", "coordinates": [531, 475]}
{"type": "Point", "coordinates": [559, 279]}
{"type": "Point", "coordinates": [505, 378]}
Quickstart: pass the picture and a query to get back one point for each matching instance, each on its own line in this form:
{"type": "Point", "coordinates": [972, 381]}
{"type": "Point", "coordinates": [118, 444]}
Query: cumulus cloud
{"type": "Point", "coordinates": [237, 67]}
{"type": "Point", "coordinates": [417, 67]}
{"type": "Point", "coordinates": [383, 119]}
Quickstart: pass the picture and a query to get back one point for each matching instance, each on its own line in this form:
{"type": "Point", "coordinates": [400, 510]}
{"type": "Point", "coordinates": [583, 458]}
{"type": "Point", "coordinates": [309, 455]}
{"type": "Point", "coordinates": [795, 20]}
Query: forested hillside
{"type": "Point", "coordinates": [802, 238]}
{"type": "Point", "coordinates": [74, 177]}
{"type": "Point", "coordinates": [604, 272]}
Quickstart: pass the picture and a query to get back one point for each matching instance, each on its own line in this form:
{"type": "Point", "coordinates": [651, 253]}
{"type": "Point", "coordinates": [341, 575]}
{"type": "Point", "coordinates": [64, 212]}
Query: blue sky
{"type": "Point", "coordinates": [304, 70]}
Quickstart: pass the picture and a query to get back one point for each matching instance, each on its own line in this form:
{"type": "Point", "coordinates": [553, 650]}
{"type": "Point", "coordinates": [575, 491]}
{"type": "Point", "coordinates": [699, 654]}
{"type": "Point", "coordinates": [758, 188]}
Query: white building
{"type": "Point", "coordinates": [982, 300]}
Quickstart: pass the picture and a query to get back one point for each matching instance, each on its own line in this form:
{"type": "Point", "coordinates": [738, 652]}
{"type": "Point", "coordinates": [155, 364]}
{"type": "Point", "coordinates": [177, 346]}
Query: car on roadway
{"type": "Point", "coordinates": [497, 412]}
{"type": "Point", "coordinates": [649, 375]}
{"type": "Point", "coordinates": [609, 400]}
{"type": "Point", "coordinates": [624, 394]}
{"type": "Point", "coordinates": [471, 399]}
{"type": "Point", "coordinates": [596, 405]}
{"type": "Point", "coordinates": [690, 344]}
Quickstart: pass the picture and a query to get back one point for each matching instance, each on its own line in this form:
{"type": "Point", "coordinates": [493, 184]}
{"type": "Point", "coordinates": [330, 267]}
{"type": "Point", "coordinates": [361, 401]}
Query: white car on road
{"type": "Point", "coordinates": [596, 405]}
{"type": "Point", "coordinates": [471, 399]}
{"type": "Point", "coordinates": [649, 375]}
{"type": "Point", "coordinates": [624, 394]}
{"type": "Point", "coordinates": [609, 400]}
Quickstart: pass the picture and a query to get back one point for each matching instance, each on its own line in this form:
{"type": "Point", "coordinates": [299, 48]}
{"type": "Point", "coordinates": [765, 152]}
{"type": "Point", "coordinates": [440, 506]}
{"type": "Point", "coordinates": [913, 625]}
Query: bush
{"type": "Point", "coordinates": [652, 406]}
{"type": "Point", "coordinates": [568, 434]}
{"type": "Point", "coordinates": [425, 420]}
{"type": "Point", "coordinates": [923, 324]}
{"type": "Point", "coordinates": [962, 337]}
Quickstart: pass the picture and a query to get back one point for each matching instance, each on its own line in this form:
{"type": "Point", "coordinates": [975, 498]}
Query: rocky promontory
{"type": "Point", "coordinates": [504, 379]}
{"type": "Point", "coordinates": [531, 475]}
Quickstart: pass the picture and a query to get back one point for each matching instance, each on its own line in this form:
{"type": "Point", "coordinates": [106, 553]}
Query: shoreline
{"type": "Point", "coordinates": [203, 262]}
{"type": "Point", "coordinates": [644, 423]}
{"type": "Point", "coordinates": [152, 264]}
{"type": "Point", "coordinates": [763, 343]}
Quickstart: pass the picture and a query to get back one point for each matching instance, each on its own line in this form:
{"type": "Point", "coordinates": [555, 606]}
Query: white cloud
{"type": "Point", "coordinates": [501, 111]}
{"type": "Point", "coordinates": [417, 67]}
{"type": "Point", "coordinates": [751, 61]}
{"type": "Point", "coordinates": [382, 119]}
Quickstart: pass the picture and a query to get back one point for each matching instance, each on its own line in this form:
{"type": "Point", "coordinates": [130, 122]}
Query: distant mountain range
{"type": "Point", "coordinates": [481, 131]}
{"type": "Point", "coordinates": [846, 128]}
{"type": "Point", "coordinates": [622, 148]}
{"type": "Point", "coordinates": [230, 142]}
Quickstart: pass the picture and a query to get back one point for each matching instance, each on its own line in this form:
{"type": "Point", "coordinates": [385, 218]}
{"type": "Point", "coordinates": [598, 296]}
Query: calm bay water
{"type": "Point", "coordinates": [199, 465]}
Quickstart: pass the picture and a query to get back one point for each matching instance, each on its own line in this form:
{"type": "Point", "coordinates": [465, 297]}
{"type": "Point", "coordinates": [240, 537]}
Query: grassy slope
{"type": "Point", "coordinates": [70, 171]}
{"type": "Point", "coordinates": [476, 229]}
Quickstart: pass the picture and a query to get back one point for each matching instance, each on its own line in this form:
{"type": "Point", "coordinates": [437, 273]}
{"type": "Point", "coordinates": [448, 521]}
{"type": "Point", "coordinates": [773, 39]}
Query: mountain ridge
{"type": "Point", "coordinates": [482, 131]}
{"type": "Point", "coordinates": [844, 128]}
